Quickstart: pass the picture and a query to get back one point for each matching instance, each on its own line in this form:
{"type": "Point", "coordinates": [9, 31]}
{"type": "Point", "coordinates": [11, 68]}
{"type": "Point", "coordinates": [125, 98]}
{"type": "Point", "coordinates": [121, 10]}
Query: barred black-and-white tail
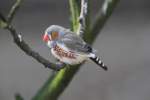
{"type": "Point", "coordinates": [98, 61]}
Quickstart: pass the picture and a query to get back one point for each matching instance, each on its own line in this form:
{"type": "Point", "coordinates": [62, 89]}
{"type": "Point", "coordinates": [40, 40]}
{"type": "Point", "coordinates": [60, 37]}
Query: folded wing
{"type": "Point", "coordinates": [75, 43]}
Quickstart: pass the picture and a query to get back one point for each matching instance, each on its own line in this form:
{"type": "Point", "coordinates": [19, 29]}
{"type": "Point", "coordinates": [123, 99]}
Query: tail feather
{"type": "Point", "coordinates": [98, 61]}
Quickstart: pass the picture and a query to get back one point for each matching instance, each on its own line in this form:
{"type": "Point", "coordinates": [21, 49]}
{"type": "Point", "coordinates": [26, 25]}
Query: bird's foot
{"type": "Point", "coordinates": [60, 65]}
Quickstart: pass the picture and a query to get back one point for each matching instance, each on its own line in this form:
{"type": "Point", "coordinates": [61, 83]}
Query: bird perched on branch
{"type": "Point", "coordinates": [68, 47]}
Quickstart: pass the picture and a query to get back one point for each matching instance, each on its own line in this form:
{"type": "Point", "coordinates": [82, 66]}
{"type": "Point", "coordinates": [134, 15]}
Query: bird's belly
{"type": "Point", "coordinates": [67, 56]}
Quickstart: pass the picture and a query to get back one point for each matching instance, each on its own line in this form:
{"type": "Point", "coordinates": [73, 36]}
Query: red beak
{"type": "Point", "coordinates": [46, 38]}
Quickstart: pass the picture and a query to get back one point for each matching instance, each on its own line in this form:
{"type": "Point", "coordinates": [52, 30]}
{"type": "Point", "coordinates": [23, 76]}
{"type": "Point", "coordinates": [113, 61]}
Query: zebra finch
{"type": "Point", "coordinates": [68, 47]}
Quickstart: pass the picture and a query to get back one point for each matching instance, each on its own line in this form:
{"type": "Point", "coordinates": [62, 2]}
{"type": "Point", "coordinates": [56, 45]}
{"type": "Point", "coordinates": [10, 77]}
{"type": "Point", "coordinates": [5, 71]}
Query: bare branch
{"type": "Point", "coordinates": [19, 40]}
{"type": "Point", "coordinates": [101, 18]}
{"type": "Point", "coordinates": [25, 47]}
{"type": "Point", "coordinates": [82, 18]}
{"type": "Point", "coordinates": [13, 10]}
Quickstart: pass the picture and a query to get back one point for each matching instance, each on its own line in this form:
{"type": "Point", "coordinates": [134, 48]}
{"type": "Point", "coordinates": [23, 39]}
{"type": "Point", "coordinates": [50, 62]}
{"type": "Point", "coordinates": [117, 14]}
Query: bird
{"type": "Point", "coordinates": [68, 47]}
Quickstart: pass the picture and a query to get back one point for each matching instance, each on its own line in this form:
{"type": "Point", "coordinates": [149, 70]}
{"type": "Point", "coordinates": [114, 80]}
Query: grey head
{"type": "Point", "coordinates": [55, 28]}
{"type": "Point", "coordinates": [55, 32]}
{"type": "Point", "coordinates": [68, 38]}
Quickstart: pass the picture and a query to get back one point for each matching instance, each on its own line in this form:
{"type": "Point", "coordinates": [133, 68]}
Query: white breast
{"type": "Point", "coordinates": [71, 58]}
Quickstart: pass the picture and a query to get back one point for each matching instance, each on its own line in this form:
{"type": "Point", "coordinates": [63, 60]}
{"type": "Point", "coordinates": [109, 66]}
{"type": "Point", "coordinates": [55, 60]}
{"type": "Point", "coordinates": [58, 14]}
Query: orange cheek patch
{"type": "Point", "coordinates": [54, 35]}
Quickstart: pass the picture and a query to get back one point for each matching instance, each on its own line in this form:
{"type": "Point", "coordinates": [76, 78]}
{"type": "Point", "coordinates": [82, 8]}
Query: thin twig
{"type": "Point", "coordinates": [18, 39]}
{"type": "Point", "coordinates": [82, 18]}
{"type": "Point", "coordinates": [25, 47]}
{"type": "Point", "coordinates": [13, 10]}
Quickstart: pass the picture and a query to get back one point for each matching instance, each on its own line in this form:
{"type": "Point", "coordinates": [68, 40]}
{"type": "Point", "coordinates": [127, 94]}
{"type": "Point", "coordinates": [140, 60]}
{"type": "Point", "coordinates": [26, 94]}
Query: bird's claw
{"type": "Point", "coordinates": [60, 65]}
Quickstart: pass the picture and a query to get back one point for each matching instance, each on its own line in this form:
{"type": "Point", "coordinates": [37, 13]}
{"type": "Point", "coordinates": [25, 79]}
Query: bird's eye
{"type": "Point", "coordinates": [54, 35]}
